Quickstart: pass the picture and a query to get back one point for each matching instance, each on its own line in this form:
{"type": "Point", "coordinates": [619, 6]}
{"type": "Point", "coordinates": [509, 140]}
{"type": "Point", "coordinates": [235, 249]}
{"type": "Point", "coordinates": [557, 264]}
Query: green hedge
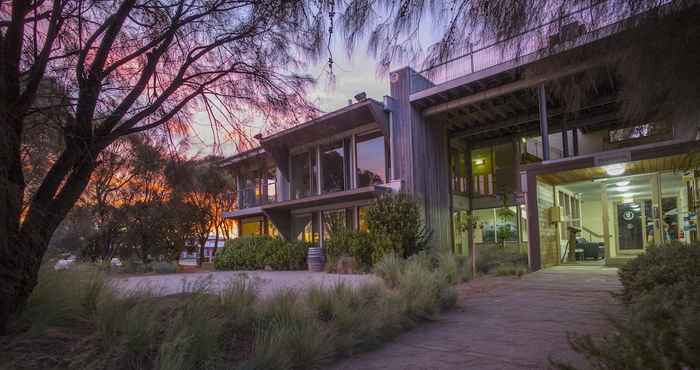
{"type": "Point", "coordinates": [258, 252]}
{"type": "Point", "coordinates": [664, 265]}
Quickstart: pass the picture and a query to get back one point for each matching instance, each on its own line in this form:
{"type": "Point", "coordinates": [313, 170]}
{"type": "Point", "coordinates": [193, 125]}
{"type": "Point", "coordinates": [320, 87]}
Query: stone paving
{"type": "Point", "coordinates": [505, 324]}
{"type": "Point", "coordinates": [267, 282]}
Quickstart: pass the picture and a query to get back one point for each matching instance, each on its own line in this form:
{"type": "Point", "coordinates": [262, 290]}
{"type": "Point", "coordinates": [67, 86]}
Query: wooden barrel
{"type": "Point", "coordinates": [315, 259]}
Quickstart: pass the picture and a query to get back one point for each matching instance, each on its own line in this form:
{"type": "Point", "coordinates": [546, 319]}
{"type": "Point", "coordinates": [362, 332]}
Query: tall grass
{"type": "Point", "coordinates": [92, 326]}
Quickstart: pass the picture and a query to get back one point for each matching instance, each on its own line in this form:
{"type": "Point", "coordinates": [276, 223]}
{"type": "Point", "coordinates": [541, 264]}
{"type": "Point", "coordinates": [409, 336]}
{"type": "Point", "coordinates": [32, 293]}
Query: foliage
{"type": "Point", "coordinates": [489, 258]}
{"type": "Point", "coordinates": [510, 269]}
{"type": "Point", "coordinates": [259, 251]}
{"type": "Point", "coordinates": [348, 243]}
{"type": "Point", "coordinates": [161, 267]}
{"type": "Point", "coordinates": [75, 319]}
{"type": "Point", "coordinates": [663, 265]}
{"type": "Point", "coordinates": [395, 220]}
{"type": "Point", "coordinates": [659, 327]}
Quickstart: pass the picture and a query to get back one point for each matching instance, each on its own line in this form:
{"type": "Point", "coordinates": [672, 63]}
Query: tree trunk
{"type": "Point", "coordinates": [22, 245]}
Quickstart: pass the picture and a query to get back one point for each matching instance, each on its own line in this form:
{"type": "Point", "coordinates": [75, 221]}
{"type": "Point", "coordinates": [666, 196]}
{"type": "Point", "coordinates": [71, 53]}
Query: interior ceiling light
{"type": "Point", "coordinates": [623, 188]}
{"type": "Point", "coordinates": [627, 199]}
{"type": "Point", "coordinates": [478, 162]}
{"type": "Point", "coordinates": [623, 183]}
{"type": "Point", "coordinates": [616, 169]}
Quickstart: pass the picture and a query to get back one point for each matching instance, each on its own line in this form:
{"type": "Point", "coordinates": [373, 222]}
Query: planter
{"type": "Point", "coordinates": [315, 259]}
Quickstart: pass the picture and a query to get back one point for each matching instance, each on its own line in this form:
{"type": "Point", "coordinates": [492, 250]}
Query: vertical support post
{"type": "Point", "coordinates": [544, 130]}
{"type": "Point", "coordinates": [656, 208]}
{"type": "Point", "coordinates": [606, 220]}
{"type": "Point", "coordinates": [565, 140]}
{"type": "Point", "coordinates": [533, 222]}
{"type": "Point", "coordinates": [470, 227]}
{"type": "Point", "coordinates": [574, 139]}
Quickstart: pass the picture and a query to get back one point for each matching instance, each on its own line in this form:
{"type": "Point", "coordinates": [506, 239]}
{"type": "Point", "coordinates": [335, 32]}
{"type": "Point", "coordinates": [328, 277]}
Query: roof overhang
{"type": "Point", "coordinates": [353, 116]}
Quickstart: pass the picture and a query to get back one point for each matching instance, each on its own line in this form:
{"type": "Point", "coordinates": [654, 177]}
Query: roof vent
{"type": "Point", "coordinates": [361, 96]}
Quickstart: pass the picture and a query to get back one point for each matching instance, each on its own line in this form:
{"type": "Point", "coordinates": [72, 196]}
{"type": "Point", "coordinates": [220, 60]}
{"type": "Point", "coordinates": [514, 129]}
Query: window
{"type": "Point", "coordinates": [482, 171]}
{"type": "Point", "coordinates": [459, 171]}
{"type": "Point", "coordinates": [362, 219]}
{"type": "Point", "coordinates": [333, 221]}
{"type": "Point", "coordinates": [302, 227]}
{"type": "Point", "coordinates": [301, 179]}
{"type": "Point", "coordinates": [271, 183]}
{"type": "Point", "coordinates": [333, 167]}
{"type": "Point", "coordinates": [251, 226]}
{"type": "Point", "coordinates": [370, 159]}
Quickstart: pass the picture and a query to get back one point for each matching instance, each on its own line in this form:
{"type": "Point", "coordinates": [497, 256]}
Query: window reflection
{"type": "Point", "coordinates": [370, 159]}
{"type": "Point", "coordinates": [333, 167]}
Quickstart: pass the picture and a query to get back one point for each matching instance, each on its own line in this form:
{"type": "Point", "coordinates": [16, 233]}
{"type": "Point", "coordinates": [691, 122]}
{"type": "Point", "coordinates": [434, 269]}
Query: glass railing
{"type": "Point", "coordinates": [252, 197]}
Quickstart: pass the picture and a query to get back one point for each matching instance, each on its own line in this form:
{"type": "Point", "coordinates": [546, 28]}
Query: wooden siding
{"type": "Point", "coordinates": [421, 156]}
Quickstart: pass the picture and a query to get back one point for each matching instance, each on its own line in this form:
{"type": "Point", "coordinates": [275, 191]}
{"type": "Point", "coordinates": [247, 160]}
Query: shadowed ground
{"type": "Point", "coordinates": [505, 323]}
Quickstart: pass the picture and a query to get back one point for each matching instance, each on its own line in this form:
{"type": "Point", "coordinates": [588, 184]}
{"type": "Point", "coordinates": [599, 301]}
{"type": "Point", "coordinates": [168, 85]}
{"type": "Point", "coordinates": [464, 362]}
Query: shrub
{"type": "Point", "coordinates": [396, 222]}
{"type": "Point", "coordinates": [488, 258]}
{"type": "Point", "coordinates": [659, 326]}
{"type": "Point", "coordinates": [663, 265]}
{"type": "Point", "coordinates": [258, 252]}
{"type": "Point", "coordinates": [510, 269]}
{"type": "Point", "coordinates": [162, 267]}
{"type": "Point", "coordinates": [347, 243]}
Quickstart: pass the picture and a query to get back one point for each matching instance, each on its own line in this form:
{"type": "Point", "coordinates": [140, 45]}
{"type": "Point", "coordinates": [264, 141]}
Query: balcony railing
{"type": "Point", "coordinates": [252, 197]}
{"type": "Point", "coordinates": [583, 26]}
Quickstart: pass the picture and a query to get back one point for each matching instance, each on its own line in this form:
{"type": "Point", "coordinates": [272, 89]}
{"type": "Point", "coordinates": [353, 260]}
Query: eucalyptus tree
{"type": "Point", "coordinates": [131, 66]}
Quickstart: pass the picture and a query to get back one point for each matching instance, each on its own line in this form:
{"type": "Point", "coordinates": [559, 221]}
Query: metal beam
{"type": "Point", "coordinates": [544, 130]}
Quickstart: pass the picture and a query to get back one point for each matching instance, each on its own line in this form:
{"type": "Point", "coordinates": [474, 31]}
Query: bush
{"type": "Point", "coordinates": [396, 222]}
{"type": "Point", "coordinates": [258, 252]}
{"type": "Point", "coordinates": [663, 265]}
{"type": "Point", "coordinates": [348, 243]}
{"type": "Point", "coordinates": [74, 319]}
{"type": "Point", "coordinates": [488, 259]}
{"type": "Point", "coordinates": [162, 267]}
{"type": "Point", "coordinates": [659, 327]}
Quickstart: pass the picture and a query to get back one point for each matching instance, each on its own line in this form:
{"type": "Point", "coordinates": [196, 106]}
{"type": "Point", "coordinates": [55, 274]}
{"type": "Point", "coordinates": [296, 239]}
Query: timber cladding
{"type": "Point", "coordinates": [549, 245]}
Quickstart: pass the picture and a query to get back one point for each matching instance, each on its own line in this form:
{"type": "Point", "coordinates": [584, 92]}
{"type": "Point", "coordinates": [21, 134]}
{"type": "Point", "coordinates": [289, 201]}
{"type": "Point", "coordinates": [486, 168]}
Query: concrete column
{"type": "Point", "coordinates": [574, 139]}
{"type": "Point", "coordinates": [544, 130]}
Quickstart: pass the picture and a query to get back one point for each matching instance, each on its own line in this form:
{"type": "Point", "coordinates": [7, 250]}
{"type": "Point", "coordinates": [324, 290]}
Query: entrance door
{"type": "Point", "coordinates": [629, 221]}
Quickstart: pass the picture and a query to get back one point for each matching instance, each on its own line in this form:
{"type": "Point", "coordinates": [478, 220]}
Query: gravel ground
{"type": "Point", "coordinates": [267, 282]}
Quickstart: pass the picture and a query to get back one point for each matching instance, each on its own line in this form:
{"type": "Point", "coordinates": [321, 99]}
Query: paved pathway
{"type": "Point", "coordinates": [267, 281]}
{"type": "Point", "coordinates": [505, 323]}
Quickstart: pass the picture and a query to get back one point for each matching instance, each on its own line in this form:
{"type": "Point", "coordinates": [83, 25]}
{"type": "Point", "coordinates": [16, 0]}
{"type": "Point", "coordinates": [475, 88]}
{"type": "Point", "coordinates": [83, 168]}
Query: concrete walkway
{"type": "Point", "coordinates": [266, 282]}
{"type": "Point", "coordinates": [505, 323]}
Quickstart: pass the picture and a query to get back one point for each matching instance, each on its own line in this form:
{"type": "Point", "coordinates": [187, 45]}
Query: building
{"type": "Point", "coordinates": [303, 179]}
{"type": "Point", "coordinates": [212, 243]}
{"type": "Point", "coordinates": [494, 158]}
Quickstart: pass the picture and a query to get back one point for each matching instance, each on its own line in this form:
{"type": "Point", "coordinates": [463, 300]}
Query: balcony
{"type": "Point", "coordinates": [574, 29]}
{"type": "Point", "coordinates": [251, 197]}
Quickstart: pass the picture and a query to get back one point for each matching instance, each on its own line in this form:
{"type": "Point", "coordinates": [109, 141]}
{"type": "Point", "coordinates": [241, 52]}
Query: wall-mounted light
{"type": "Point", "coordinates": [615, 169]}
{"type": "Point", "coordinates": [478, 162]}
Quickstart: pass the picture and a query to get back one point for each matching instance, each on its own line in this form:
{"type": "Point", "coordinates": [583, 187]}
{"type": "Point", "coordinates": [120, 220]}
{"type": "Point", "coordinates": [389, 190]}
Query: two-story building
{"type": "Point", "coordinates": [301, 180]}
{"type": "Point", "coordinates": [492, 155]}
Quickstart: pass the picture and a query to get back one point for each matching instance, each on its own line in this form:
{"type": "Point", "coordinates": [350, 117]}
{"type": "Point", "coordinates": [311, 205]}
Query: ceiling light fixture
{"type": "Point", "coordinates": [623, 189]}
{"type": "Point", "coordinates": [623, 183]}
{"type": "Point", "coordinates": [478, 162]}
{"type": "Point", "coordinates": [616, 169]}
{"type": "Point", "coordinates": [628, 200]}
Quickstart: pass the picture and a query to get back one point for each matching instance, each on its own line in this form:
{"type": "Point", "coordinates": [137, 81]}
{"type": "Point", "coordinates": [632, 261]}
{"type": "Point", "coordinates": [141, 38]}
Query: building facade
{"type": "Point", "coordinates": [494, 158]}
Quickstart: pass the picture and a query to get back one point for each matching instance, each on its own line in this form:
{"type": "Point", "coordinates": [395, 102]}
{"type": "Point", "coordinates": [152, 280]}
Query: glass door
{"type": "Point", "coordinates": [630, 230]}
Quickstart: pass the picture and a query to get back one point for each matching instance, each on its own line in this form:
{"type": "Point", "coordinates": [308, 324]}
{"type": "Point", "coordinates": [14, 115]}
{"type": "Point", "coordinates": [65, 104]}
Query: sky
{"type": "Point", "coordinates": [352, 76]}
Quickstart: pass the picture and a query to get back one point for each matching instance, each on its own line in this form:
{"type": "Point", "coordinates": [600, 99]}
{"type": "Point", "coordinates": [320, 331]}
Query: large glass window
{"type": "Point", "coordinates": [459, 171]}
{"type": "Point", "coordinates": [301, 176]}
{"type": "Point", "coordinates": [482, 171]}
{"type": "Point", "coordinates": [333, 167]}
{"type": "Point", "coordinates": [302, 226]}
{"type": "Point", "coordinates": [252, 226]}
{"type": "Point", "coordinates": [333, 221]}
{"type": "Point", "coordinates": [370, 159]}
{"type": "Point", "coordinates": [362, 219]}
{"type": "Point", "coordinates": [271, 183]}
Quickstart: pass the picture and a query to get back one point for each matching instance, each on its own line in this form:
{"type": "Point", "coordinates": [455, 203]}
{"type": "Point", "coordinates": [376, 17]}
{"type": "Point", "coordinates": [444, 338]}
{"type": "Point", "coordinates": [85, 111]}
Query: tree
{"type": "Point", "coordinates": [131, 66]}
{"type": "Point", "coordinates": [654, 58]}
